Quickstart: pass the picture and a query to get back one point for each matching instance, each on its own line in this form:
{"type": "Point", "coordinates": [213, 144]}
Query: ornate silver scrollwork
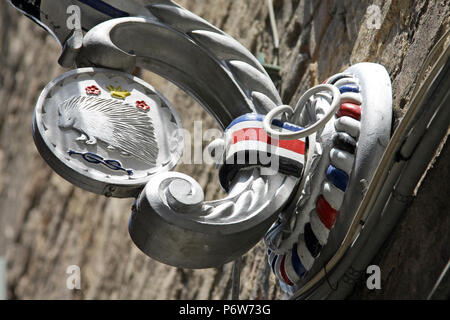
{"type": "Point", "coordinates": [171, 221]}
{"type": "Point", "coordinates": [170, 215]}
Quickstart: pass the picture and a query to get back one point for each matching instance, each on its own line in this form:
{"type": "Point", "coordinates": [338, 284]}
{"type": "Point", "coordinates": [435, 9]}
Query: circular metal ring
{"type": "Point", "coordinates": [335, 103]}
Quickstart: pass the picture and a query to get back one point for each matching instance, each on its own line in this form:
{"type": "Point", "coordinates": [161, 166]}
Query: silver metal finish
{"type": "Point", "coordinates": [106, 131]}
{"type": "Point", "coordinates": [373, 135]}
{"type": "Point", "coordinates": [381, 206]}
{"type": "Point", "coordinates": [171, 222]}
{"type": "Point", "coordinates": [228, 83]}
{"type": "Point", "coordinates": [376, 117]}
{"type": "Point", "coordinates": [171, 215]}
{"type": "Point", "coordinates": [167, 39]}
{"type": "Point", "coordinates": [295, 114]}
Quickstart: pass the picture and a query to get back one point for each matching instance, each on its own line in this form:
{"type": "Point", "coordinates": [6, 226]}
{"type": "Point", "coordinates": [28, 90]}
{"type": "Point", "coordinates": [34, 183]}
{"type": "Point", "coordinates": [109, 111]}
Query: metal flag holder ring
{"type": "Point", "coordinates": [327, 152]}
{"type": "Point", "coordinates": [295, 114]}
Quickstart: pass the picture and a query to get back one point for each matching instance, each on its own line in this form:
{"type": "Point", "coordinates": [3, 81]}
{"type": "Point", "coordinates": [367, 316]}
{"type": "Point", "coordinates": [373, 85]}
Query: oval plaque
{"type": "Point", "coordinates": [106, 131]}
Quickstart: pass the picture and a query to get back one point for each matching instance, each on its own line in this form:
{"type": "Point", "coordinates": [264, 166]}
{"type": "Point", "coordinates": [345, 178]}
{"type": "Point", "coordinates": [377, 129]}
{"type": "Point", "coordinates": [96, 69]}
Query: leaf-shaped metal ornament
{"type": "Point", "coordinates": [106, 131]}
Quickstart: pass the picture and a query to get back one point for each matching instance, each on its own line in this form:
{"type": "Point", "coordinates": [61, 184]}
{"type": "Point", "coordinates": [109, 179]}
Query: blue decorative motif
{"type": "Point", "coordinates": [338, 177]}
{"type": "Point", "coordinates": [274, 261]}
{"type": "Point", "coordinates": [296, 263]}
{"type": "Point", "coordinates": [260, 117]}
{"type": "Point", "coordinates": [349, 88]}
{"type": "Point", "coordinates": [95, 158]}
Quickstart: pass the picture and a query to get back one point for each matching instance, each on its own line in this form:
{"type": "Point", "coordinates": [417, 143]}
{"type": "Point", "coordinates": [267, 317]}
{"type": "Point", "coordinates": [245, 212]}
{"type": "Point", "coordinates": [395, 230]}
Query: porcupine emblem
{"type": "Point", "coordinates": [117, 124]}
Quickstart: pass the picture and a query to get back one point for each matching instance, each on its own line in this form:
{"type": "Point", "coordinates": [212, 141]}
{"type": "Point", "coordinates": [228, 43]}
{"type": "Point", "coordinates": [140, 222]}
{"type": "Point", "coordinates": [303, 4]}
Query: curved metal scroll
{"type": "Point", "coordinates": [171, 222]}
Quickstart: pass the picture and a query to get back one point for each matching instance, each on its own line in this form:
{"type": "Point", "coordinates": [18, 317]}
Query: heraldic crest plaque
{"type": "Point", "coordinates": [106, 131]}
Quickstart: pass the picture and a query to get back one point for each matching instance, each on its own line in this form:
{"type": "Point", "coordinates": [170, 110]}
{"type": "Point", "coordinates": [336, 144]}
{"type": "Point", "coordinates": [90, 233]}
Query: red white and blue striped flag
{"type": "Point", "coordinates": [248, 145]}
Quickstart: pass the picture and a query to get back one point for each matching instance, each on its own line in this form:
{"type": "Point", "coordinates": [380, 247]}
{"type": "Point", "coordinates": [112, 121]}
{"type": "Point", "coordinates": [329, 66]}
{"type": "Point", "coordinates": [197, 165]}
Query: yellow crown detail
{"type": "Point", "coordinates": [118, 92]}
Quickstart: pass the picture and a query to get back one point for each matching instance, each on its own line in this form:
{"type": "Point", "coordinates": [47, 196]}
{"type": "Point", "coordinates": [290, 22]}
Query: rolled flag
{"type": "Point", "coordinates": [247, 145]}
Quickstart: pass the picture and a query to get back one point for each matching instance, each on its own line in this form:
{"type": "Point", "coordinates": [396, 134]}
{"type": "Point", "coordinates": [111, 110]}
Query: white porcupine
{"type": "Point", "coordinates": [118, 124]}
